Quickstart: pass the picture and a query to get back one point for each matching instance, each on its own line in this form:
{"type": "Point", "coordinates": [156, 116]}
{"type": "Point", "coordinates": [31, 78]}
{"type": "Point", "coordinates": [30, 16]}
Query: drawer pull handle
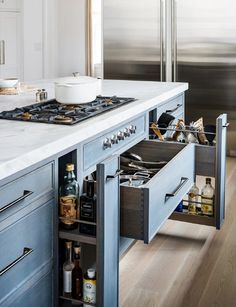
{"type": "Point", "coordinates": [15, 202]}
{"type": "Point", "coordinates": [118, 173]}
{"type": "Point", "coordinates": [175, 109]}
{"type": "Point", "coordinates": [26, 252]}
{"type": "Point", "coordinates": [183, 181]}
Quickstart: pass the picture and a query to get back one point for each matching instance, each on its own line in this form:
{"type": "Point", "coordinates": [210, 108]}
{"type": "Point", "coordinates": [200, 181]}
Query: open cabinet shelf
{"type": "Point", "coordinates": [74, 235]}
{"type": "Point", "coordinates": [195, 219]}
{"type": "Point", "coordinates": [75, 302]}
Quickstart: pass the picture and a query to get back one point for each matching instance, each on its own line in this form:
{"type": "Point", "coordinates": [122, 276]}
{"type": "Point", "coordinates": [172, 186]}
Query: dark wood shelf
{"type": "Point", "coordinates": [76, 302]}
{"type": "Point", "coordinates": [190, 218]}
{"type": "Point", "coordinates": [75, 235]}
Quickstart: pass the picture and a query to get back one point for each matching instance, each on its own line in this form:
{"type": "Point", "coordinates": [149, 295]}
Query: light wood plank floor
{"type": "Point", "coordinates": [186, 265]}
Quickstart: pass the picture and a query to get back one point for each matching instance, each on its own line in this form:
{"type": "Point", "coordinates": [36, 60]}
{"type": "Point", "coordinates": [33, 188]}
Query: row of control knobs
{"type": "Point", "coordinates": [120, 136]}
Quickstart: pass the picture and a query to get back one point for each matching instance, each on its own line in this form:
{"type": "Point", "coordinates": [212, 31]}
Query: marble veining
{"type": "Point", "coordinates": [25, 143]}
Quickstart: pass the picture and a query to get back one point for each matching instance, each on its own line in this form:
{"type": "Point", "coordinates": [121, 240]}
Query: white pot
{"type": "Point", "coordinates": [77, 90]}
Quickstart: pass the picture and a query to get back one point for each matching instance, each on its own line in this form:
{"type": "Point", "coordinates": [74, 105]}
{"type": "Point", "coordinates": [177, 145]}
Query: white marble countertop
{"type": "Point", "coordinates": [25, 143]}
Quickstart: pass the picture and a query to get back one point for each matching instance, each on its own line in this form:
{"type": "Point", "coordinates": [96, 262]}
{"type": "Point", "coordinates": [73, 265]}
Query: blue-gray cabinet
{"type": "Point", "coordinates": [27, 216]}
{"type": "Point", "coordinates": [29, 211]}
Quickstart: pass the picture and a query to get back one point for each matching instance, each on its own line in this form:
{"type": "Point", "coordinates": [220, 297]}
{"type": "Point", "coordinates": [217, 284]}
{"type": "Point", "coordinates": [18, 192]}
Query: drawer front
{"type": "Point", "coordinates": [95, 152]}
{"type": "Point", "coordinates": [20, 192]}
{"type": "Point", "coordinates": [25, 246]}
{"type": "Point", "coordinates": [172, 107]}
{"type": "Point", "coordinates": [145, 209]}
{"type": "Point", "coordinates": [38, 295]}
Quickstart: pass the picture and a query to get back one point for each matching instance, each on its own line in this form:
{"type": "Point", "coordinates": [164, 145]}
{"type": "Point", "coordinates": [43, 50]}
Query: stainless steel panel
{"type": "Point", "coordinates": [220, 171]}
{"type": "Point", "coordinates": [207, 57]}
{"type": "Point", "coordinates": [132, 39]}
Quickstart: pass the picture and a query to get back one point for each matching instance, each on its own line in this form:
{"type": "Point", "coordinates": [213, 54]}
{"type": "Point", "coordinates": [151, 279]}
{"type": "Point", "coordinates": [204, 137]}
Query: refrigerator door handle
{"type": "Point", "coordinates": [174, 38]}
{"type": "Point", "coordinates": [2, 52]}
{"type": "Point", "coordinates": [162, 5]}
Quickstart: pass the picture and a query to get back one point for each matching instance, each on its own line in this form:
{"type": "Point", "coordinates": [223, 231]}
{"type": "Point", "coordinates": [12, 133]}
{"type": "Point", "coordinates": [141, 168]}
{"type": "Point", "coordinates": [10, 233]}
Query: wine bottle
{"type": "Point", "coordinates": [77, 276]}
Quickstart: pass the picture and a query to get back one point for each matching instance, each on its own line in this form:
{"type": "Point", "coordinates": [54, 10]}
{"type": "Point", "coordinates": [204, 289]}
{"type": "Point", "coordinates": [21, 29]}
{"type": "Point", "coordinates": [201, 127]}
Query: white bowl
{"type": "Point", "coordinates": [9, 82]}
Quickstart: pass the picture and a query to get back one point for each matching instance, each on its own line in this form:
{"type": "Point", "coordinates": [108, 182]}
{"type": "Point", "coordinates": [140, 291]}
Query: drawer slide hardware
{"type": "Point", "coordinates": [183, 181]}
{"type": "Point", "coordinates": [26, 252]}
{"type": "Point", "coordinates": [15, 202]}
{"type": "Point", "coordinates": [118, 173]}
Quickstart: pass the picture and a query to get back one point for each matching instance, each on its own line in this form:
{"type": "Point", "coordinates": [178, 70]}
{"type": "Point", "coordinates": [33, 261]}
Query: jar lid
{"type": "Point", "coordinates": [91, 273]}
{"type": "Point", "coordinates": [70, 167]}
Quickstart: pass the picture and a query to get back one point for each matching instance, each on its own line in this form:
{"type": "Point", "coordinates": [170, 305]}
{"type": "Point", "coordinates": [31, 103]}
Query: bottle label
{"type": "Point", "coordinates": [67, 281]}
{"type": "Point", "coordinates": [89, 290]}
{"type": "Point", "coordinates": [68, 209]}
{"type": "Point", "coordinates": [207, 206]}
{"type": "Point", "coordinates": [192, 197]}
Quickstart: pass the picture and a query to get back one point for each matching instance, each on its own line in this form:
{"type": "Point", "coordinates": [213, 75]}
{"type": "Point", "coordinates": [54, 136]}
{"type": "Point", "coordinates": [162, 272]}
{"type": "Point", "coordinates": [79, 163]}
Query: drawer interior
{"type": "Point", "coordinates": [145, 208]}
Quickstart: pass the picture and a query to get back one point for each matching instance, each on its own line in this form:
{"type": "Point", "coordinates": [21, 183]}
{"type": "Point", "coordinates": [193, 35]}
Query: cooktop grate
{"type": "Point", "coordinates": [52, 112]}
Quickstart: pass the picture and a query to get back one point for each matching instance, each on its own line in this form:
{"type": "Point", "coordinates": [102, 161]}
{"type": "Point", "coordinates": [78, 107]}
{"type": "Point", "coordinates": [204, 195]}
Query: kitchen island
{"type": "Point", "coordinates": [26, 144]}
{"type": "Point", "coordinates": [32, 161]}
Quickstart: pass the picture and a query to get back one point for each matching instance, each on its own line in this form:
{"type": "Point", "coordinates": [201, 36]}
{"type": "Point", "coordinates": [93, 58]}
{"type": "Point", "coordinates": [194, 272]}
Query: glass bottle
{"type": "Point", "coordinates": [207, 198]}
{"type": "Point", "coordinates": [88, 209]}
{"type": "Point", "coordinates": [68, 267]}
{"type": "Point", "coordinates": [77, 276]}
{"type": "Point", "coordinates": [89, 287]}
{"type": "Point", "coordinates": [192, 199]}
{"type": "Point", "coordinates": [69, 192]}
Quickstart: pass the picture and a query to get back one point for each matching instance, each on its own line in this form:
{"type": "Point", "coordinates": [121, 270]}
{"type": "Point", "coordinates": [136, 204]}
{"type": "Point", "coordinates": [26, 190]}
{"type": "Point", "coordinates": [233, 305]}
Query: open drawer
{"type": "Point", "coordinates": [210, 161]}
{"type": "Point", "coordinates": [145, 208]}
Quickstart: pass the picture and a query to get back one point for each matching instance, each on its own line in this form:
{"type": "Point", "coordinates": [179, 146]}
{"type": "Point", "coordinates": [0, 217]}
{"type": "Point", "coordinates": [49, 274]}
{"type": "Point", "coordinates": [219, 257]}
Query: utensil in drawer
{"type": "Point", "coordinates": [145, 164]}
{"type": "Point", "coordinates": [166, 119]}
{"type": "Point", "coordinates": [210, 131]}
{"type": "Point", "coordinates": [157, 132]}
{"type": "Point", "coordinates": [142, 168]}
{"type": "Point", "coordinates": [137, 179]}
{"type": "Point", "coordinates": [131, 155]}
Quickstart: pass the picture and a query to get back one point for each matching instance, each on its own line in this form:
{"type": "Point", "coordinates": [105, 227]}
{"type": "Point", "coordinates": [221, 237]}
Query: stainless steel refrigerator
{"type": "Point", "coordinates": [177, 40]}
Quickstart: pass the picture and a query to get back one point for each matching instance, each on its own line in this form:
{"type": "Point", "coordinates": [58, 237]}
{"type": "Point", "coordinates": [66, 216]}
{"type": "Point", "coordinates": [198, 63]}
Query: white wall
{"type": "Point", "coordinates": [71, 37]}
{"type": "Point", "coordinates": [54, 38]}
{"type": "Point", "coordinates": [50, 33]}
{"type": "Point", "coordinates": [33, 39]}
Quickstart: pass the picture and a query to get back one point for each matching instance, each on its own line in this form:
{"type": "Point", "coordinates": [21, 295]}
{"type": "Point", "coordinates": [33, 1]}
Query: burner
{"type": "Point", "coordinates": [53, 112]}
{"type": "Point", "coordinates": [62, 119]}
{"type": "Point", "coordinates": [26, 116]}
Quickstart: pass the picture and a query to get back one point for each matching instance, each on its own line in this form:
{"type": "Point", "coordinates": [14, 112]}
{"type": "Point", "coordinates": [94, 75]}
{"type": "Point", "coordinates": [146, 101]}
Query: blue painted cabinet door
{"type": "Point", "coordinates": [108, 232]}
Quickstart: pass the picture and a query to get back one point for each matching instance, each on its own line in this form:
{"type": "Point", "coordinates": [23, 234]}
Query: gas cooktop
{"type": "Point", "coordinates": [52, 112]}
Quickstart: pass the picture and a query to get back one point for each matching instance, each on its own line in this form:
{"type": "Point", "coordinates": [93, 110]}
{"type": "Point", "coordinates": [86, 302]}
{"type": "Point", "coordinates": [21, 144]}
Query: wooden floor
{"type": "Point", "coordinates": [186, 265]}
